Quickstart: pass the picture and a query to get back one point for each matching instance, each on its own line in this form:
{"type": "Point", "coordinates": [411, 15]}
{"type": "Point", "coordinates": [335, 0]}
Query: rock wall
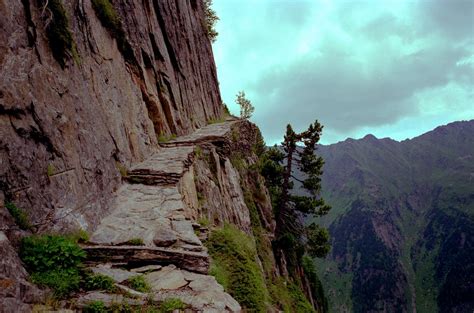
{"type": "Point", "coordinates": [66, 131]}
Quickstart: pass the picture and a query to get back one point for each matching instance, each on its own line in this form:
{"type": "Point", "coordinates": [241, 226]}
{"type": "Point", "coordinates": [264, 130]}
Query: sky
{"type": "Point", "coordinates": [391, 68]}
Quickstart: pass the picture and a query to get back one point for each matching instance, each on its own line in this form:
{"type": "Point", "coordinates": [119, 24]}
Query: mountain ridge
{"type": "Point", "coordinates": [393, 204]}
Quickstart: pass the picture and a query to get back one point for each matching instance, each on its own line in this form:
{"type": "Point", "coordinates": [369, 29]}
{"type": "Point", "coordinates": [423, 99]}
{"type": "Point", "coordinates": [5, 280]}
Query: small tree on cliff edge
{"type": "Point", "coordinates": [246, 107]}
{"type": "Point", "coordinates": [294, 234]}
{"type": "Point", "coordinates": [210, 21]}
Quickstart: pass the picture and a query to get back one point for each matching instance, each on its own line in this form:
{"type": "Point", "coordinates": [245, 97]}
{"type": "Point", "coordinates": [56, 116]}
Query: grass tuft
{"type": "Point", "coordinates": [139, 283]}
{"type": "Point", "coordinates": [20, 216]}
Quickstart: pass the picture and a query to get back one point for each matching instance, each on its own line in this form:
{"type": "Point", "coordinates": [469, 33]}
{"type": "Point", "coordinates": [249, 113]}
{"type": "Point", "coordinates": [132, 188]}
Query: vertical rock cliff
{"type": "Point", "coordinates": [64, 126]}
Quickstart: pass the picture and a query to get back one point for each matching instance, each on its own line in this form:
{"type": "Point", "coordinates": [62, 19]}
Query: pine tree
{"type": "Point", "coordinates": [294, 211]}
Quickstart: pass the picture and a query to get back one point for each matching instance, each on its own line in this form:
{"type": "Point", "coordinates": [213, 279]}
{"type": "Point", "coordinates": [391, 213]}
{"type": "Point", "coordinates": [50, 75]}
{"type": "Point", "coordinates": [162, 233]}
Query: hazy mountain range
{"type": "Point", "coordinates": [402, 222]}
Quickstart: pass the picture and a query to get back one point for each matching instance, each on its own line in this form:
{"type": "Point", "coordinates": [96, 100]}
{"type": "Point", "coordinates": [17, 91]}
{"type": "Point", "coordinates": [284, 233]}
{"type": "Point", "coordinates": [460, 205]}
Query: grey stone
{"type": "Point", "coordinates": [168, 278]}
{"type": "Point", "coordinates": [147, 268]}
{"type": "Point", "coordinates": [117, 274]}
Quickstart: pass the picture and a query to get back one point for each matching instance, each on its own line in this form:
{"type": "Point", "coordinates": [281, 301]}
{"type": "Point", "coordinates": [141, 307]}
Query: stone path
{"type": "Point", "coordinates": [150, 210]}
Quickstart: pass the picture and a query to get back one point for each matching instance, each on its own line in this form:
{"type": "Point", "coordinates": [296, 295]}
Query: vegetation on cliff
{"type": "Point", "coordinates": [60, 38]}
{"type": "Point", "coordinates": [210, 21]}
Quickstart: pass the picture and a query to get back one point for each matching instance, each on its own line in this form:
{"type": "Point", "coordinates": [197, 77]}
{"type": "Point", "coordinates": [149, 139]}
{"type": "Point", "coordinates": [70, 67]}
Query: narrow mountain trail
{"type": "Point", "coordinates": [152, 231]}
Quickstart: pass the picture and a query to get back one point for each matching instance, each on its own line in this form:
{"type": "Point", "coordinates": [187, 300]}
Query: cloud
{"type": "Point", "coordinates": [354, 65]}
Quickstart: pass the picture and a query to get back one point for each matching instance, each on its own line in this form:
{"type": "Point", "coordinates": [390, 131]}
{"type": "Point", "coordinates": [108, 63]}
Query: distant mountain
{"type": "Point", "coordinates": [402, 222]}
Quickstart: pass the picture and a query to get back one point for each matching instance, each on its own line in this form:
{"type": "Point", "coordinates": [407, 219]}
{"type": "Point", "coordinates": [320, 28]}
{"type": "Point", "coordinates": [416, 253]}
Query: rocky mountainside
{"type": "Point", "coordinates": [402, 222]}
{"type": "Point", "coordinates": [123, 182]}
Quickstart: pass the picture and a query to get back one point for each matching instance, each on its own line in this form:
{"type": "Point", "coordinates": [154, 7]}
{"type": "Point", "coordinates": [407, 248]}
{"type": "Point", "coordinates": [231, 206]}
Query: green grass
{"type": "Point", "coordinates": [95, 307]}
{"type": "Point", "coordinates": [234, 264]}
{"type": "Point", "coordinates": [50, 170]}
{"type": "Point", "coordinates": [121, 168]}
{"type": "Point", "coordinates": [79, 236]}
{"type": "Point", "coordinates": [61, 281]}
{"type": "Point", "coordinates": [138, 283]}
{"type": "Point", "coordinates": [171, 304]}
{"type": "Point", "coordinates": [135, 242]}
{"type": "Point", "coordinates": [99, 282]}
{"type": "Point", "coordinates": [20, 216]}
{"type": "Point", "coordinates": [163, 138]}
{"type": "Point", "coordinates": [216, 120]}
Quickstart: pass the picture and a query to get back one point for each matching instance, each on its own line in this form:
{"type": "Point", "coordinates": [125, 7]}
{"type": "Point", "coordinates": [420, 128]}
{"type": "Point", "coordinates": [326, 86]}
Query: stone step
{"type": "Point", "coordinates": [192, 261]}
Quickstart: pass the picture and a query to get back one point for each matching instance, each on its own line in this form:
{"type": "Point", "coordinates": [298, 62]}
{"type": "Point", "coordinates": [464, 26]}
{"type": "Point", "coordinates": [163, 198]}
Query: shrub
{"type": "Point", "coordinates": [42, 253]}
{"type": "Point", "coordinates": [234, 263]}
{"type": "Point", "coordinates": [138, 283]}
{"type": "Point", "coordinates": [20, 216]}
{"type": "Point", "coordinates": [62, 281]}
{"type": "Point", "coordinates": [53, 261]}
{"type": "Point", "coordinates": [169, 305]}
{"type": "Point", "coordinates": [246, 107]}
{"type": "Point", "coordinates": [60, 38]}
{"type": "Point", "coordinates": [99, 282]}
{"type": "Point", "coordinates": [95, 307]}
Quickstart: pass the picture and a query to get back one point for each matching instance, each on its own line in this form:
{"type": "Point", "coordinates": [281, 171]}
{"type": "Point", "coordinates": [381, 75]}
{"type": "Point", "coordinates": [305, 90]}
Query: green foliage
{"type": "Point", "coordinates": [60, 38]}
{"type": "Point", "coordinates": [315, 284]}
{"type": "Point", "coordinates": [171, 304]}
{"type": "Point", "coordinates": [246, 107]}
{"type": "Point", "coordinates": [95, 307]}
{"type": "Point", "coordinates": [317, 241]}
{"type": "Point", "coordinates": [99, 282]}
{"type": "Point", "coordinates": [135, 242]}
{"type": "Point", "coordinates": [53, 261]}
{"type": "Point", "coordinates": [138, 283]}
{"type": "Point", "coordinates": [109, 18]}
{"type": "Point", "coordinates": [79, 236]}
{"type": "Point", "coordinates": [20, 216]}
{"type": "Point", "coordinates": [210, 20]}
{"type": "Point", "coordinates": [163, 138]}
{"type": "Point", "coordinates": [216, 120]}
{"type": "Point", "coordinates": [121, 168]}
{"type": "Point", "coordinates": [198, 152]}
{"type": "Point", "coordinates": [238, 161]}
{"type": "Point", "coordinates": [50, 170]}
{"type": "Point", "coordinates": [234, 262]}
{"type": "Point", "coordinates": [299, 302]}
{"type": "Point", "coordinates": [259, 147]}
{"type": "Point", "coordinates": [62, 281]}
{"type": "Point", "coordinates": [50, 252]}
{"type": "Point", "coordinates": [226, 109]}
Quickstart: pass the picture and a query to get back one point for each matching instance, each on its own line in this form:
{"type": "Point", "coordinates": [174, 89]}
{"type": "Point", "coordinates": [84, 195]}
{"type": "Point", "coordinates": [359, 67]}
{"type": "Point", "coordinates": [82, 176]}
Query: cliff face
{"type": "Point", "coordinates": [64, 131]}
